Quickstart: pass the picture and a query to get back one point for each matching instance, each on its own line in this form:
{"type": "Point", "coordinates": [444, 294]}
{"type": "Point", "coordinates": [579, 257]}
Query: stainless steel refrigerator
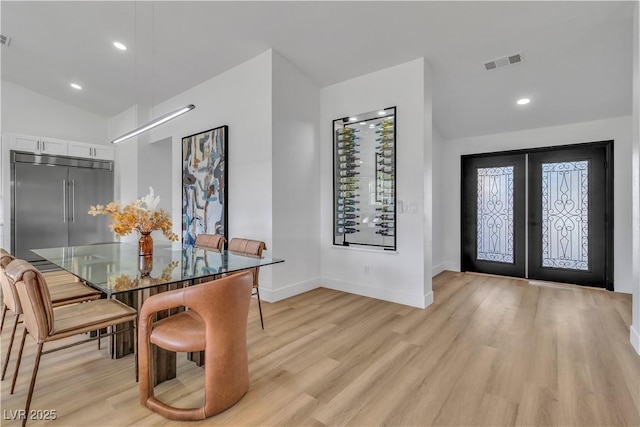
{"type": "Point", "coordinates": [50, 198]}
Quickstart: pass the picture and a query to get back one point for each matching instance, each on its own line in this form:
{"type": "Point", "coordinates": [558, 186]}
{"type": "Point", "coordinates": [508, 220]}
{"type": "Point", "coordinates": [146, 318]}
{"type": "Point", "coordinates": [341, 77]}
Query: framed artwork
{"type": "Point", "coordinates": [204, 184]}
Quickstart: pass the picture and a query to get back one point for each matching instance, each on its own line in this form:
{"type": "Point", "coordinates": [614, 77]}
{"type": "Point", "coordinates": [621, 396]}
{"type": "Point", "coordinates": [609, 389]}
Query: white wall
{"type": "Point", "coordinates": [635, 325]}
{"type": "Point", "coordinates": [30, 113]}
{"type": "Point", "coordinates": [241, 99]}
{"type": "Point", "coordinates": [400, 276]}
{"type": "Point", "coordinates": [438, 189]}
{"type": "Point", "coordinates": [617, 129]}
{"type": "Point", "coordinates": [126, 164]}
{"type": "Point", "coordinates": [296, 181]}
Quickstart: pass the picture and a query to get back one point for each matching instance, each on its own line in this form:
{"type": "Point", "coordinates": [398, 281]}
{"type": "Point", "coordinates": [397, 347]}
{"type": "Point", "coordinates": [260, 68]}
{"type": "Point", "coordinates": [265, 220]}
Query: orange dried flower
{"type": "Point", "coordinates": [141, 215]}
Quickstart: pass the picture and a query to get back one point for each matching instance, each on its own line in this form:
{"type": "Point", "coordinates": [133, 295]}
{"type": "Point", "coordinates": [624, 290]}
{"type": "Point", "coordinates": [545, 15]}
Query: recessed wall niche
{"type": "Point", "coordinates": [364, 179]}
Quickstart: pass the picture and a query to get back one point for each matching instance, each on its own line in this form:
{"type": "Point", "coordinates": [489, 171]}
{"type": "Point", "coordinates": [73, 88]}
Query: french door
{"type": "Point", "coordinates": [540, 214]}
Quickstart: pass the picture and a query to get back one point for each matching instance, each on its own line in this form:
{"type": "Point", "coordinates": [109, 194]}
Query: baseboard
{"type": "Point", "coordinates": [437, 270]}
{"type": "Point", "coordinates": [273, 295]}
{"type": "Point", "coordinates": [378, 293]}
{"type": "Point", "coordinates": [634, 337]}
{"type": "Point", "coordinates": [428, 299]}
{"type": "Point", "coordinates": [451, 266]}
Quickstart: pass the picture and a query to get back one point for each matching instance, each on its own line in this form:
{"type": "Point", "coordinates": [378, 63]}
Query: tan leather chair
{"type": "Point", "coordinates": [252, 248]}
{"type": "Point", "coordinates": [210, 241]}
{"type": "Point", "coordinates": [62, 293]}
{"type": "Point", "coordinates": [44, 324]}
{"type": "Point", "coordinates": [216, 322]}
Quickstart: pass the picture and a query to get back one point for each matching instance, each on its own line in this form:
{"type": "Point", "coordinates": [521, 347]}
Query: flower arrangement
{"type": "Point", "coordinates": [142, 215]}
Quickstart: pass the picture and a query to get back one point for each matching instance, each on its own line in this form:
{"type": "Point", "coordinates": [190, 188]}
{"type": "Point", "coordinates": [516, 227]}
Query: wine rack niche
{"type": "Point", "coordinates": [364, 179]}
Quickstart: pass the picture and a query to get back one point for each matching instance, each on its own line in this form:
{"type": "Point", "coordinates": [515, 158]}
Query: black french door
{"type": "Point", "coordinates": [541, 214]}
{"type": "Point", "coordinates": [493, 214]}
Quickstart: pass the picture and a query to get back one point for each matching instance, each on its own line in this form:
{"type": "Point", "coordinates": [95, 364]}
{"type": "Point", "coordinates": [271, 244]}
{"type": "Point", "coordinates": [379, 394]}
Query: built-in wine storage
{"type": "Point", "coordinates": [364, 179]}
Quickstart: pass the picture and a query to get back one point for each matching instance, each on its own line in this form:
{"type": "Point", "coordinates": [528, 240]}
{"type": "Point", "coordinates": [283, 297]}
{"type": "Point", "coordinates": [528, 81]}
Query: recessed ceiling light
{"type": "Point", "coordinates": [119, 46]}
{"type": "Point", "coordinates": [363, 123]}
{"type": "Point", "coordinates": [381, 113]}
{"type": "Point", "coordinates": [353, 119]}
{"type": "Point", "coordinates": [76, 86]}
{"type": "Point", "coordinates": [523, 101]}
{"type": "Point", "coordinates": [372, 126]}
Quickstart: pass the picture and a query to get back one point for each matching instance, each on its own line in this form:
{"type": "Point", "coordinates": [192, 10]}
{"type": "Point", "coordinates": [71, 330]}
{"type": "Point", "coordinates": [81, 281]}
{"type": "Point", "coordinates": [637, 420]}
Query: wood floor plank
{"type": "Point", "coordinates": [490, 351]}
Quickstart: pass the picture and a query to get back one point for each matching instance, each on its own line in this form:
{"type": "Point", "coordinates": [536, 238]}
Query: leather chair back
{"type": "Point", "coordinates": [248, 247]}
{"type": "Point", "coordinates": [223, 306]}
{"type": "Point", "coordinates": [210, 241]}
{"type": "Point", "coordinates": [9, 292]}
{"type": "Point", "coordinates": [34, 294]}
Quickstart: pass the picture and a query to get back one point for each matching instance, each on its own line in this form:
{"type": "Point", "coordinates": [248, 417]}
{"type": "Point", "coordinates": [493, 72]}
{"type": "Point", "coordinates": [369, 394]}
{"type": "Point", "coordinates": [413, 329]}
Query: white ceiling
{"type": "Point", "coordinates": [577, 55]}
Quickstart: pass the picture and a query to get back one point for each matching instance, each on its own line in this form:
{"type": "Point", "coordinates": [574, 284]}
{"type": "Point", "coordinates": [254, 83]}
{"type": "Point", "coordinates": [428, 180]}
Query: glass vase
{"type": "Point", "coordinates": [145, 244]}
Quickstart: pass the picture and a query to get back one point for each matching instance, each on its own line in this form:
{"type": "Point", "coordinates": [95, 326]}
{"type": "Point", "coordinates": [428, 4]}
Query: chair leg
{"type": "Point", "coordinates": [33, 383]}
{"type": "Point", "coordinates": [8, 355]}
{"type": "Point", "coordinates": [4, 313]}
{"type": "Point", "coordinates": [260, 307]}
{"type": "Point", "coordinates": [135, 346]}
{"type": "Point", "coordinates": [15, 373]}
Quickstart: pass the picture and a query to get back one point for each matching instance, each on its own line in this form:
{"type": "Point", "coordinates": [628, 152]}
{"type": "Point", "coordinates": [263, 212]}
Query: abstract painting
{"type": "Point", "coordinates": [204, 184]}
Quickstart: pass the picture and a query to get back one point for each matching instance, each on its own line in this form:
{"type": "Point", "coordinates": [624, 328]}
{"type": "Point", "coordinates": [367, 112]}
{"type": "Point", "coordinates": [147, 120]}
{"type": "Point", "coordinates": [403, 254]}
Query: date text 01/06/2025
{"type": "Point", "coordinates": [34, 414]}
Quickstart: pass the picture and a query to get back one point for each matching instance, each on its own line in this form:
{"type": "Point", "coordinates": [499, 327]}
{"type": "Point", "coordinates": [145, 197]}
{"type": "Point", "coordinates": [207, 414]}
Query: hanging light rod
{"type": "Point", "coordinates": [155, 122]}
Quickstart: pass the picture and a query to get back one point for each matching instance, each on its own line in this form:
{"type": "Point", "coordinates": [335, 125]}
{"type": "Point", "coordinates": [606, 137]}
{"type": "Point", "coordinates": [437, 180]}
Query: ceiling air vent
{"type": "Point", "coordinates": [4, 40]}
{"type": "Point", "coordinates": [503, 61]}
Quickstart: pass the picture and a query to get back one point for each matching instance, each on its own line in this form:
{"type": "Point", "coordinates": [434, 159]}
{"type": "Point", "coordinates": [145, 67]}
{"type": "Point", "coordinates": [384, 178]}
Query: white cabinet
{"type": "Point", "coordinates": [41, 145]}
{"type": "Point", "coordinates": [53, 146]}
{"type": "Point", "coordinates": [25, 143]}
{"type": "Point", "coordinates": [38, 145]}
{"type": "Point", "coordinates": [91, 151]}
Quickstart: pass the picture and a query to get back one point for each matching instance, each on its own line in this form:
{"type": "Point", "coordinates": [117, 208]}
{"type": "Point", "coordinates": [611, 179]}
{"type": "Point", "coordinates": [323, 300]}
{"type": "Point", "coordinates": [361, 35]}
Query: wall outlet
{"type": "Point", "coordinates": [412, 207]}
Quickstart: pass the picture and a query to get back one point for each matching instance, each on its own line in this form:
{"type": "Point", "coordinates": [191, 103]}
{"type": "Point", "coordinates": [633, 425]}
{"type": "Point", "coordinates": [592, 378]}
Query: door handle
{"type": "Point", "coordinates": [73, 200]}
{"type": "Point", "coordinates": [64, 200]}
{"type": "Point", "coordinates": [42, 145]}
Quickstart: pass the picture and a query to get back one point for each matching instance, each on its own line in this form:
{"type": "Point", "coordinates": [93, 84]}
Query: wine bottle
{"type": "Point", "coordinates": [348, 158]}
{"type": "Point", "coordinates": [348, 187]}
{"type": "Point", "coordinates": [385, 161]}
{"type": "Point", "coordinates": [385, 209]}
{"type": "Point", "coordinates": [348, 216]}
{"type": "Point", "coordinates": [348, 180]}
{"type": "Point", "coordinates": [386, 225]}
{"type": "Point", "coordinates": [347, 131]}
{"type": "Point", "coordinates": [386, 232]}
{"type": "Point", "coordinates": [349, 173]}
{"type": "Point", "coordinates": [347, 223]}
{"type": "Point", "coordinates": [348, 201]}
{"type": "Point", "coordinates": [386, 217]}
{"type": "Point", "coordinates": [348, 145]}
{"type": "Point", "coordinates": [347, 208]}
{"type": "Point", "coordinates": [348, 230]}
{"type": "Point", "coordinates": [385, 169]}
{"type": "Point", "coordinates": [347, 151]}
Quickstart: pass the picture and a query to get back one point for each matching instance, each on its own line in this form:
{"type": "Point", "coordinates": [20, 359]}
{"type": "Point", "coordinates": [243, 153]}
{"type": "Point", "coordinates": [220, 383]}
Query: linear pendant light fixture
{"type": "Point", "coordinates": [154, 123]}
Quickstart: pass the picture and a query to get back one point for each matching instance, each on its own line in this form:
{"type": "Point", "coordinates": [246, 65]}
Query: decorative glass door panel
{"type": "Point", "coordinates": [565, 215]}
{"type": "Point", "coordinates": [495, 214]}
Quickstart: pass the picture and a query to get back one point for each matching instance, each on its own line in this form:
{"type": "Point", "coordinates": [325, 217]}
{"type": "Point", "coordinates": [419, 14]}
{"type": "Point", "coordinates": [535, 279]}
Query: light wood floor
{"type": "Point", "coordinates": [490, 351]}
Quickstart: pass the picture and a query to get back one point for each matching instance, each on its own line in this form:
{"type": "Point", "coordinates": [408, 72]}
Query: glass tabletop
{"type": "Point", "coordinates": [116, 267]}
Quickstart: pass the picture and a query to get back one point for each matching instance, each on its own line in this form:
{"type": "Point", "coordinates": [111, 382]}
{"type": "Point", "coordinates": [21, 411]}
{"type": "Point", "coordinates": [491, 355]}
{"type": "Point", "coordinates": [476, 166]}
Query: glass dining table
{"type": "Point", "coordinates": [119, 272]}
